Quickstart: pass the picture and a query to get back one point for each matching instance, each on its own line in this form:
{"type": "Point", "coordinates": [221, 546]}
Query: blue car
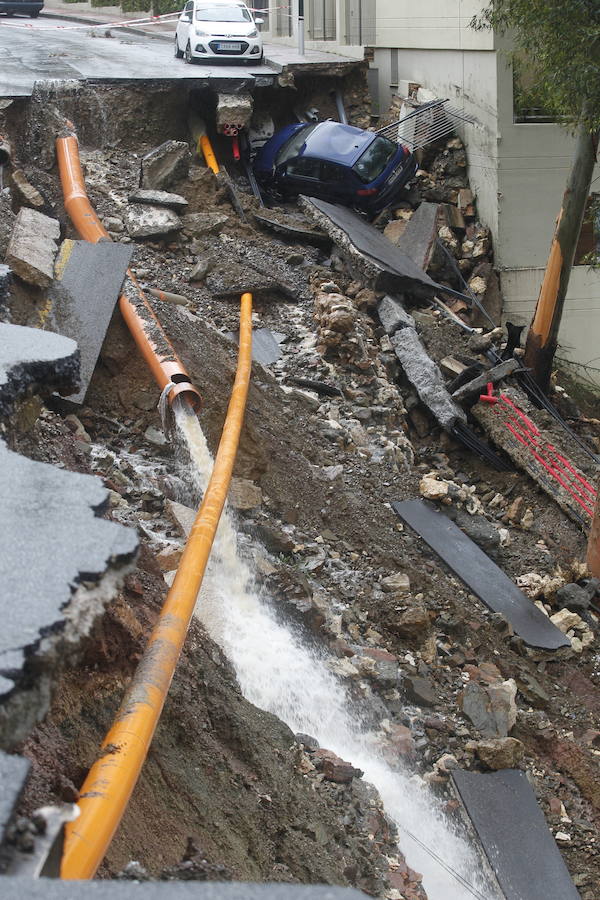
{"type": "Point", "coordinates": [335, 162]}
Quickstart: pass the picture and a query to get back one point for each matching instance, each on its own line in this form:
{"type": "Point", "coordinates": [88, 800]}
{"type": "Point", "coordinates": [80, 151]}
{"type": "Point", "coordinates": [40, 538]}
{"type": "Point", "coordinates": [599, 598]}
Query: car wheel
{"type": "Point", "coordinates": [188, 53]}
{"type": "Point", "coordinates": [35, 14]}
{"type": "Point", "coordinates": [178, 53]}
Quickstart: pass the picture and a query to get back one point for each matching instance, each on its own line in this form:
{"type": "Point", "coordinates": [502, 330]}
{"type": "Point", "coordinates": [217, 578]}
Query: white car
{"type": "Point", "coordinates": [218, 29]}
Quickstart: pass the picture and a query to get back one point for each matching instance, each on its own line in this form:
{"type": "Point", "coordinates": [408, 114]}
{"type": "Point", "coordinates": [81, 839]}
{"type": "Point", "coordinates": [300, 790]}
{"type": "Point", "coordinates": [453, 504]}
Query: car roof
{"type": "Point", "coordinates": [338, 143]}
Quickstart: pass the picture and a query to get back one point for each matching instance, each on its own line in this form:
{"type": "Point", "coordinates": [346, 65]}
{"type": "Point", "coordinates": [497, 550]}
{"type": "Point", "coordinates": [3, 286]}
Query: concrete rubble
{"type": "Point", "coordinates": [33, 246]}
{"type": "Point", "coordinates": [165, 165]}
{"type": "Point", "coordinates": [143, 221]}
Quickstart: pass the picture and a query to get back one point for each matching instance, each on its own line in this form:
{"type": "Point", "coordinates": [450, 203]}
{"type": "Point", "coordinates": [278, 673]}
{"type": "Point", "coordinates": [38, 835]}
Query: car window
{"type": "Point", "coordinates": [304, 166]}
{"type": "Point", "coordinates": [373, 161]}
{"type": "Point", "coordinates": [294, 144]}
{"type": "Point", "coordinates": [332, 172]}
{"type": "Point", "coordinates": [222, 14]}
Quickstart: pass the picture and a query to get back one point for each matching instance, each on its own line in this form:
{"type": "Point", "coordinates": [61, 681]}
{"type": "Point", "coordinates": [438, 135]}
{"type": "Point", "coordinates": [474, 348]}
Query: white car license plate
{"type": "Point", "coordinates": [226, 46]}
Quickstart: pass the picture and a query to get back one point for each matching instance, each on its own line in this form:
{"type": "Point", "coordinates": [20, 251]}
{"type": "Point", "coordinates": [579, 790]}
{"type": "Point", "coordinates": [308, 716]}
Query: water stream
{"type": "Point", "coordinates": [278, 672]}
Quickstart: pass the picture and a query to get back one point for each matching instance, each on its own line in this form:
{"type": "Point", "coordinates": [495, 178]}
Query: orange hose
{"type": "Point", "coordinates": [110, 781]}
{"type": "Point", "coordinates": [146, 330]}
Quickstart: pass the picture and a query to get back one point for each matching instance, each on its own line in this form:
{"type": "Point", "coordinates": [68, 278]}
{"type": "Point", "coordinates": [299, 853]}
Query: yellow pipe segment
{"type": "Point", "coordinates": [111, 780]}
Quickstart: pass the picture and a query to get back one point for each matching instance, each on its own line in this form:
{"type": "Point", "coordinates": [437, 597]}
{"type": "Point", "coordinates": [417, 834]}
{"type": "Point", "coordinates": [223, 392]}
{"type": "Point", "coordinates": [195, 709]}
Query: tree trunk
{"type": "Point", "coordinates": [542, 339]}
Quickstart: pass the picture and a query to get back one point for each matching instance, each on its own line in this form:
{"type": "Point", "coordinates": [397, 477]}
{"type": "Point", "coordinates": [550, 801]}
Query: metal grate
{"type": "Point", "coordinates": [426, 124]}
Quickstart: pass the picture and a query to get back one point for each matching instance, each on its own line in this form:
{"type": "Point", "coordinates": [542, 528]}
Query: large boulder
{"type": "Point", "coordinates": [165, 165]}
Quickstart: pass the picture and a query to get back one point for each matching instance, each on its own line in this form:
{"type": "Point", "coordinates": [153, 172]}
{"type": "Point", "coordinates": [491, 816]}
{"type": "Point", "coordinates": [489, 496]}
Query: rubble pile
{"type": "Point", "coordinates": [335, 431]}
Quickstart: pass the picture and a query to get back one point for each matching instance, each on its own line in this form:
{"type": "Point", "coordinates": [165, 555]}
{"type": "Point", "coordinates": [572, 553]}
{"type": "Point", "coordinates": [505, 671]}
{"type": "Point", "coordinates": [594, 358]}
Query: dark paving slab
{"type": "Point", "coordinates": [420, 234]}
{"type": "Point", "coordinates": [13, 772]}
{"type": "Point", "coordinates": [83, 297]}
{"type": "Point", "coordinates": [347, 228]}
{"type": "Point", "coordinates": [30, 357]}
{"type": "Point", "coordinates": [53, 889]}
{"type": "Point", "coordinates": [514, 834]}
{"type": "Point", "coordinates": [481, 575]}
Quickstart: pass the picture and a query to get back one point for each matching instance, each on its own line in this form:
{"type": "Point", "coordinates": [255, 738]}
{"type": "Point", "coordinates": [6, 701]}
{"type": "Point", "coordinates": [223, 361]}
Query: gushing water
{"type": "Point", "coordinates": [279, 673]}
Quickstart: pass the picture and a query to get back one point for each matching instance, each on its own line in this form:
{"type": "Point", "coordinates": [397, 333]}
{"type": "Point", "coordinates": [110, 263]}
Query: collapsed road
{"type": "Point", "coordinates": [340, 694]}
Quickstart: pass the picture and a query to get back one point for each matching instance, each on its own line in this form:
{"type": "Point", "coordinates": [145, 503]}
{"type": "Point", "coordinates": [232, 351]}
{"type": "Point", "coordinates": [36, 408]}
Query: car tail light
{"type": "Point", "coordinates": [367, 192]}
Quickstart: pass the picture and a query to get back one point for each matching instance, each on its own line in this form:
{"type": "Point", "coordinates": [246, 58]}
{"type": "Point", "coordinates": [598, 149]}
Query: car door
{"type": "Point", "coordinates": [300, 175]}
{"type": "Point", "coordinates": [335, 182]}
{"type": "Point", "coordinates": [184, 24]}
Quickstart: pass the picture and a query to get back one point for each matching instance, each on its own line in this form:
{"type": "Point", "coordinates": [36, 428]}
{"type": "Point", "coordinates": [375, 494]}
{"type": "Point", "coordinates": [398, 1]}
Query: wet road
{"type": "Point", "coordinates": [34, 50]}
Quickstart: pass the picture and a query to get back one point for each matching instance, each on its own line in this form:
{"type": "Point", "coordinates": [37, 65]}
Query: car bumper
{"type": "Point", "coordinates": [392, 191]}
{"type": "Point", "coordinates": [249, 49]}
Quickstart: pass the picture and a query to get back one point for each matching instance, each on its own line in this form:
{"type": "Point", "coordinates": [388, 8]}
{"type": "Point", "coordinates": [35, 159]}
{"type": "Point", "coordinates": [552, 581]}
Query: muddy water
{"type": "Point", "coordinates": [278, 672]}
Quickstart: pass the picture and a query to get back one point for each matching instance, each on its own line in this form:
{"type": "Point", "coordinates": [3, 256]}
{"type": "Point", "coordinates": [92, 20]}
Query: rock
{"type": "Point", "coordinates": [28, 194]}
{"type": "Point", "coordinates": [275, 540]}
{"type": "Point", "coordinates": [309, 743]}
{"type": "Point", "coordinates": [156, 437]}
{"type": "Point", "coordinates": [413, 623]}
{"type": "Point", "coordinates": [419, 690]}
{"type": "Point", "coordinates": [198, 224]}
{"type": "Point", "coordinates": [201, 269]}
{"type": "Point", "coordinates": [396, 584]}
{"type": "Point", "coordinates": [565, 620]}
{"type": "Point", "coordinates": [332, 472]}
{"type": "Point", "coordinates": [244, 494]}
{"type": "Point", "coordinates": [573, 597]}
{"type": "Point", "coordinates": [492, 709]}
{"type": "Point", "coordinates": [165, 165]}
{"type": "Point", "coordinates": [446, 763]}
{"type": "Point", "coordinates": [159, 198]}
{"type": "Point", "coordinates": [335, 768]}
{"type": "Point", "coordinates": [168, 558]}
{"type": "Point", "coordinates": [433, 488]}
{"type": "Point", "coordinates": [393, 316]}
{"type": "Point", "coordinates": [147, 221]}
{"type": "Point", "coordinates": [479, 530]}
{"type": "Point", "coordinates": [114, 224]}
{"type": "Point", "coordinates": [32, 247]}
{"type": "Point", "coordinates": [7, 221]}
{"type": "Point", "coordinates": [334, 312]}
{"type": "Point", "coordinates": [402, 741]}
{"type": "Point", "coordinates": [500, 753]}
{"type": "Point", "coordinates": [395, 229]}
{"type": "Point", "coordinates": [180, 515]}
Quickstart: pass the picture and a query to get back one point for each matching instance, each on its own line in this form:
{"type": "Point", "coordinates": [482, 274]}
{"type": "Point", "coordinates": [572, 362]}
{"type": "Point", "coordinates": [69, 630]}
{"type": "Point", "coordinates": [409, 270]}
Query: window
{"type": "Point", "coordinates": [304, 167]}
{"type": "Point", "coordinates": [222, 14]}
{"type": "Point", "coordinates": [332, 173]}
{"type": "Point", "coordinates": [293, 145]}
{"type": "Point", "coordinates": [371, 164]}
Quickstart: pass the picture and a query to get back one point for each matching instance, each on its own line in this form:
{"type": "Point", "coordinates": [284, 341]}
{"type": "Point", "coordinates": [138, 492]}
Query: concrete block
{"type": "Point", "coordinates": [425, 377]}
{"type": "Point", "coordinates": [393, 316]}
{"type": "Point", "coordinates": [7, 221]}
{"type": "Point", "coordinates": [419, 236]}
{"type": "Point", "coordinates": [32, 247]}
{"type": "Point", "coordinates": [159, 198]}
{"type": "Point", "coordinates": [234, 110]}
{"type": "Point", "coordinates": [150, 221]}
{"type": "Point", "coordinates": [33, 358]}
{"type": "Point", "coordinates": [165, 165]}
{"type": "Point", "coordinates": [83, 295]}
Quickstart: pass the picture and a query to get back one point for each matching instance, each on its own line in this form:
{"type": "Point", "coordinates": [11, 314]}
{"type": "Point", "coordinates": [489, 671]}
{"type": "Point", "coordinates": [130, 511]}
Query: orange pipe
{"type": "Point", "coordinates": [147, 332]}
{"type": "Point", "coordinates": [209, 155]}
{"type": "Point", "coordinates": [110, 781]}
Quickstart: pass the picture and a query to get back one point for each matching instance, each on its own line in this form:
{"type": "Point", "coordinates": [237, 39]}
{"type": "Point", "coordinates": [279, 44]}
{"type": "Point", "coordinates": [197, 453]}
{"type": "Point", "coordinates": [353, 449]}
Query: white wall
{"type": "Point", "coordinates": [579, 339]}
{"type": "Point", "coordinates": [430, 24]}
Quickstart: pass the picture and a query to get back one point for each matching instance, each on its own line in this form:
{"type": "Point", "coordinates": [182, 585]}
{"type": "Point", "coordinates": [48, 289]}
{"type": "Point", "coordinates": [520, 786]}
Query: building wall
{"type": "Point", "coordinates": [430, 25]}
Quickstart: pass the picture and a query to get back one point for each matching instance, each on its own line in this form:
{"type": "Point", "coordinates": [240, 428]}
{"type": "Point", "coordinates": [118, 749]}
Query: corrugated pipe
{"type": "Point", "coordinates": [110, 781]}
{"type": "Point", "coordinates": [141, 320]}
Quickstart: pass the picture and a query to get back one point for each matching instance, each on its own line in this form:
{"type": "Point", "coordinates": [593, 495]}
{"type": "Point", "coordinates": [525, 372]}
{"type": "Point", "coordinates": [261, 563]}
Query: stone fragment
{"type": "Point", "coordinates": [433, 488]}
{"type": "Point", "coordinates": [159, 198]}
{"type": "Point", "coordinates": [7, 221]}
{"type": "Point", "coordinates": [156, 437]}
{"type": "Point", "coordinates": [565, 620]}
{"type": "Point", "coordinates": [335, 768]}
{"type": "Point", "coordinates": [395, 229]}
{"type": "Point", "coordinates": [198, 224]}
{"type": "Point", "coordinates": [29, 195]}
{"type": "Point", "coordinates": [413, 623]}
{"type": "Point", "coordinates": [148, 221]}
{"type": "Point", "coordinates": [168, 558]}
{"type": "Point", "coordinates": [500, 753]}
{"type": "Point", "coordinates": [419, 690]}
{"type": "Point", "coordinates": [180, 515]}
{"type": "Point", "coordinates": [492, 709]}
{"type": "Point", "coordinates": [165, 165]}
{"type": "Point", "coordinates": [244, 494]}
{"type": "Point", "coordinates": [396, 584]}
{"type": "Point", "coordinates": [393, 316]}
{"type": "Point", "coordinates": [201, 269]}
{"type": "Point", "coordinates": [32, 247]}
{"type": "Point", "coordinates": [573, 597]}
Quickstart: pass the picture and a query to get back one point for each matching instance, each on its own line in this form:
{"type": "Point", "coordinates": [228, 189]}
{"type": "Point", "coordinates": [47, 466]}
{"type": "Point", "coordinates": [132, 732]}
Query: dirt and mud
{"type": "Point", "coordinates": [324, 541]}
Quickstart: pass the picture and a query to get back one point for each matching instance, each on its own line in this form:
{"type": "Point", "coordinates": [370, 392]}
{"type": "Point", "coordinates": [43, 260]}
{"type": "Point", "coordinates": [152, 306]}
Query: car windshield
{"type": "Point", "coordinates": [222, 14]}
{"type": "Point", "coordinates": [293, 145]}
{"type": "Point", "coordinates": [373, 161]}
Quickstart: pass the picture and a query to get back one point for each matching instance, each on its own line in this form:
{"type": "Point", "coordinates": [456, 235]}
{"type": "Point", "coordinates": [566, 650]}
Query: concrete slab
{"type": "Point", "coordinates": [393, 316]}
{"type": "Point", "coordinates": [13, 772]}
{"type": "Point", "coordinates": [514, 835]}
{"type": "Point", "coordinates": [481, 575]}
{"type": "Point", "coordinates": [32, 247]}
{"type": "Point", "coordinates": [418, 238]}
{"type": "Point", "coordinates": [389, 267]}
{"type": "Point", "coordinates": [33, 358]}
{"type": "Point", "coordinates": [54, 889]}
{"type": "Point", "coordinates": [425, 377]}
{"type": "Point", "coordinates": [82, 298]}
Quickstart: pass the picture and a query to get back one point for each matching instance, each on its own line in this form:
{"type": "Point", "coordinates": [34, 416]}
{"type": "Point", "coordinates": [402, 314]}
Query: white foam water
{"type": "Point", "coordinates": [278, 672]}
